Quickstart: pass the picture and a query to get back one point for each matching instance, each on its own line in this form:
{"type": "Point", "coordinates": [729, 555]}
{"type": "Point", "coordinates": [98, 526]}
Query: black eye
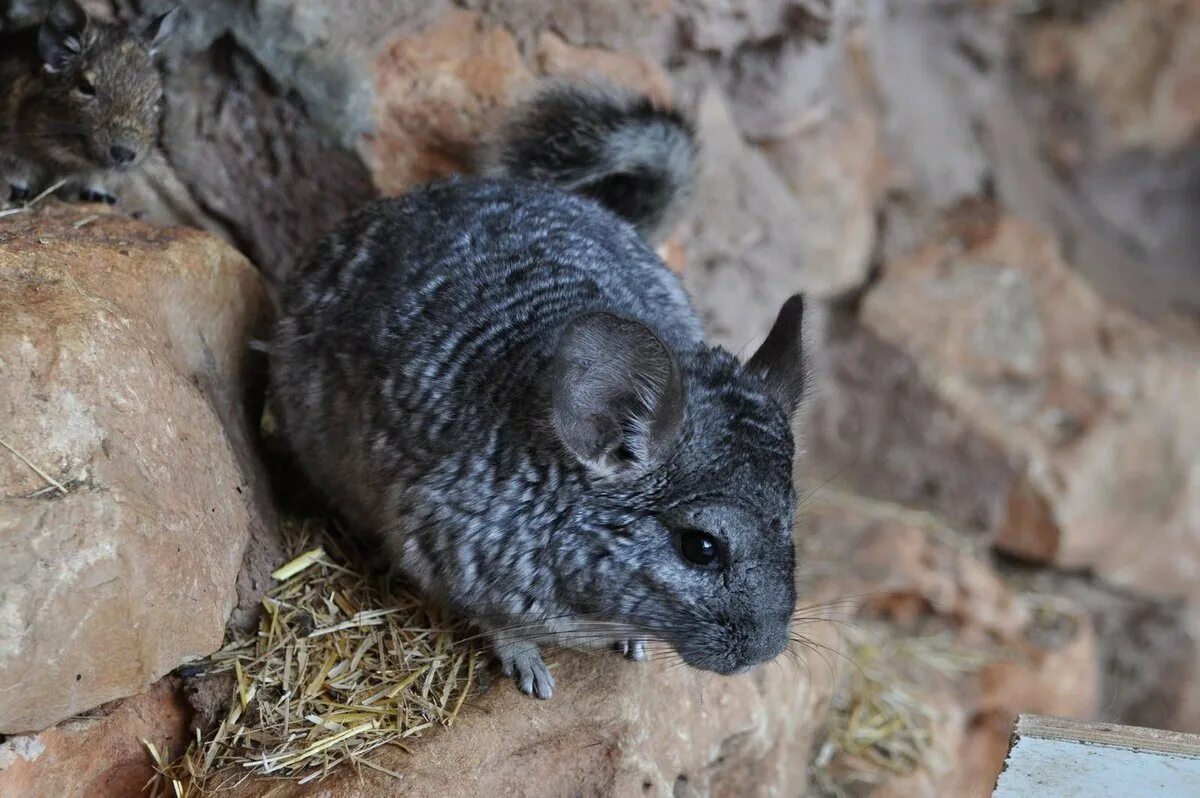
{"type": "Point", "coordinates": [698, 548]}
{"type": "Point", "coordinates": [85, 88]}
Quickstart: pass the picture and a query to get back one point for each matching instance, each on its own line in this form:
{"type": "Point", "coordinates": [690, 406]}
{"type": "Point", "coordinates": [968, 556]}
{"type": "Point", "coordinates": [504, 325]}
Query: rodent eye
{"type": "Point", "coordinates": [698, 548]}
{"type": "Point", "coordinates": [85, 87]}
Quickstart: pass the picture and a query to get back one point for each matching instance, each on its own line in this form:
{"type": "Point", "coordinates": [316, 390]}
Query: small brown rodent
{"type": "Point", "coordinates": [79, 100]}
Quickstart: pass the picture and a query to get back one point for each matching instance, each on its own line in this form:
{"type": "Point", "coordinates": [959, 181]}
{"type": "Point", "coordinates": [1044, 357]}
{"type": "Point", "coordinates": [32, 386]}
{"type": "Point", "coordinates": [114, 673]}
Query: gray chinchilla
{"type": "Point", "coordinates": [498, 377]}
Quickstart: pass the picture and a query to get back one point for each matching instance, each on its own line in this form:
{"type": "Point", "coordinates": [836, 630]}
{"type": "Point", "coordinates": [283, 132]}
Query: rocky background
{"type": "Point", "coordinates": [996, 198]}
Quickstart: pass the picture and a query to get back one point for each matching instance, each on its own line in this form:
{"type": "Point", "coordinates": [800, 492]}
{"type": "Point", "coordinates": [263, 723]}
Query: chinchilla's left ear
{"type": "Point", "coordinates": [617, 395]}
{"type": "Point", "coordinates": [780, 360]}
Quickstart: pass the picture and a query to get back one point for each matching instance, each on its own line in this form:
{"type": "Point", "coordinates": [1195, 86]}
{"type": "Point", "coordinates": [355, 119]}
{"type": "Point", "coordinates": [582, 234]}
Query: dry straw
{"type": "Point", "coordinates": [881, 723]}
{"type": "Point", "coordinates": [341, 665]}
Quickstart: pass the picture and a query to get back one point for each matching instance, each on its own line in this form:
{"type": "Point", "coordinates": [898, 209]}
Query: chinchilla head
{"type": "Point", "coordinates": [685, 528]}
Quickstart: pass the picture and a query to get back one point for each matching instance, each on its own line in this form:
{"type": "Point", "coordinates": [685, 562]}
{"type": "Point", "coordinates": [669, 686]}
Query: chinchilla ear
{"type": "Point", "coordinates": [161, 28]}
{"type": "Point", "coordinates": [60, 38]}
{"type": "Point", "coordinates": [780, 359]}
{"type": "Point", "coordinates": [617, 394]}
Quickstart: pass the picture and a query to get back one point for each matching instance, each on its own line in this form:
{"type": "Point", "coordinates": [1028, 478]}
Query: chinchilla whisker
{"type": "Point", "coordinates": [851, 600]}
{"type": "Point", "coordinates": [523, 631]}
{"type": "Point", "coordinates": [820, 648]}
{"type": "Point", "coordinates": [825, 659]}
{"type": "Point", "coordinates": [803, 501]}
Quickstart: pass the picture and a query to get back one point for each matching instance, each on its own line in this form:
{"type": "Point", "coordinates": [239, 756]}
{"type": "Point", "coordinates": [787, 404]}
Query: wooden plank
{"type": "Point", "coordinates": [1059, 758]}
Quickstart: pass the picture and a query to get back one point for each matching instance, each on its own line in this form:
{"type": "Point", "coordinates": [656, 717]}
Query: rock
{"type": "Point", "coordinates": [100, 756]}
{"type": "Point", "coordinates": [874, 424]}
{"type": "Point", "coordinates": [1097, 136]}
{"type": "Point", "coordinates": [961, 645]}
{"type": "Point", "coordinates": [1056, 674]}
{"type": "Point", "coordinates": [1138, 64]}
{"type": "Point", "coordinates": [630, 25]}
{"type": "Point", "coordinates": [1093, 408]}
{"type": "Point", "coordinates": [907, 565]}
{"type": "Point", "coordinates": [833, 163]}
{"type": "Point", "coordinates": [929, 92]}
{"type": "Point", "coordinates": [614, 728]}
{"type": "Point", "coordinates": [781, 74]}
{"type": "Point", "coordinates": [124, 361]}
{"type": "Point", "coordinates": [743, 239]}
{"type": "Point", "coordinates": [555, 58]}
{"type": "Point", "coordinates": [435, 92]}
{"type": "Point", "coordinates": [1150, 661]}
{"type": "Point", "coordinates": [223, 116]}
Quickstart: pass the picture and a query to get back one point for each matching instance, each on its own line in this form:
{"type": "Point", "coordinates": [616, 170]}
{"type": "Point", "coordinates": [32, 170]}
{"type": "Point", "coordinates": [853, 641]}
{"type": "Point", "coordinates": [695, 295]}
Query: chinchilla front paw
{"type": "Point", "coordinates": [523, 662]}
{"type": "Point", "coordinates": [632, 650]}
{"type": "Point", "coordinates": [97, 194]}
{"type": "Point", "coordinates": [19, 192]}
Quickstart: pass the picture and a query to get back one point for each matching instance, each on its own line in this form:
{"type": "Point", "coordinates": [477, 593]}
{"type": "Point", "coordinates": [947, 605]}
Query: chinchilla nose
{"type": "Point", "coordinates": [120, 155]}
{"type": "Point", "coordinates": [766, 641]}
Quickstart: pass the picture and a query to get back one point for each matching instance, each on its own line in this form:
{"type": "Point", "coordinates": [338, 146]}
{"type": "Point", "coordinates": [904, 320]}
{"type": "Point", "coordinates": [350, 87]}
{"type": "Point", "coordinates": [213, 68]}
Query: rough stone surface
{"type": "Point", "coordinates": [439, 89]}
{"type": "Point", "coordinates": [1137, 64]}
{"type": "Point", "coordinates": [833, 163]}
{"type": "Point", "coordinates": [123, 360]}
{"type": "Point", "coordinates": [1035, 654]}
{"type": "Point", "coordinates": [1110, 152]}
{"type": "Point", "coordinates": [1094, 408]}
{"type": "Point", "coordinates": [436, 91]}
{"type": "Point", "coordinates": [652, 729]}
{"type": "Point", "coordinates": [101, 756]}
{"type": "Point", "coordinates": [877, 426]}
{"type": "Point", "coordinates": [743, 242]}
{"type": "Point", "coordinates": [225, 116]}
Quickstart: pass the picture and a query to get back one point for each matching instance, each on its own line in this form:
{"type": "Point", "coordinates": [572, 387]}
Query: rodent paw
{"type": "Point", "coordinates": [97, 195]}
{"type": "Point", "coordinates": [632, 650]}
{"type": "Point", "coordinates": [19, 193]}
{"type": "Point", "coordinates": [530, 673]}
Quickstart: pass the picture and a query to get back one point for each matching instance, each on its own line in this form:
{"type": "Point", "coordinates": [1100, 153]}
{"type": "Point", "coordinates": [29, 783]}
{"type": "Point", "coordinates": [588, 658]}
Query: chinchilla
{"type": "Point", "coordinates": [498, 377]}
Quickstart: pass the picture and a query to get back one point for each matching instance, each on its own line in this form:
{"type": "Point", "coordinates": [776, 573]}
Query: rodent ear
{"type": "Point", "coordinates": [780, 360]}
{"type": "Point", "coordinates": [617, 394]}
{"type": "Point", "coordinates": [60, 38]}
{"type": "Point", "coordinates": [161, 28]}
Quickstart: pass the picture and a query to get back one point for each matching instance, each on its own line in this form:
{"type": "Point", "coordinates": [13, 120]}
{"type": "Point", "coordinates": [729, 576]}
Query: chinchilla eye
{"type": "Point", "coordinates": [698, 548]}
{"type": "Point", "coordinates": [85, 87]}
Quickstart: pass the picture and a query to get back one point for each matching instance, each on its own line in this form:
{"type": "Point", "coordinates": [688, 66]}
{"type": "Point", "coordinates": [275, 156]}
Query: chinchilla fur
{"type": "Point", "coordinates": [614, 146]}
{"type": "Point", "coordinates": [503, 381]}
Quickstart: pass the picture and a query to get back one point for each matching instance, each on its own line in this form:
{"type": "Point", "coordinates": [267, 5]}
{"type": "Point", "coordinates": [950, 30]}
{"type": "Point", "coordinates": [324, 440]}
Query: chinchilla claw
{"type": "Point", "coordinates": [530, 673]}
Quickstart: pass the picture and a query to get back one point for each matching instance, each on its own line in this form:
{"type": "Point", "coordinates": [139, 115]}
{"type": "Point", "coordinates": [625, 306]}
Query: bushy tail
{"type": "Point", "coordinates": [614, 146]}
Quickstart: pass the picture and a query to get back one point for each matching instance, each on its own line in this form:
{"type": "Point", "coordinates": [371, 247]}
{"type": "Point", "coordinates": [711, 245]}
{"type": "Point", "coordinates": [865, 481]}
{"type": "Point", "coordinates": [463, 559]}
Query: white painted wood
{"type": "Point", "coordinates": [1058, 758]}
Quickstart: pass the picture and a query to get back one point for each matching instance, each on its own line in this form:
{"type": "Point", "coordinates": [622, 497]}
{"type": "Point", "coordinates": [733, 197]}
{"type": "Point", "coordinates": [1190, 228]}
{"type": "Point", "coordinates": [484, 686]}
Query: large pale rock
{"type": "Point", "coordinates": [1094, 409]}
{"type": "Point", "coordinates": [613, 728]}
{"type": "Point", "coordinates": [99, 756]}
{"type": "Point", "coordinates": [129, 488]}
{"type": "Point", "coordinates": [833, 163]}
{"type": "Point", "coordinates": [745, 235]}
